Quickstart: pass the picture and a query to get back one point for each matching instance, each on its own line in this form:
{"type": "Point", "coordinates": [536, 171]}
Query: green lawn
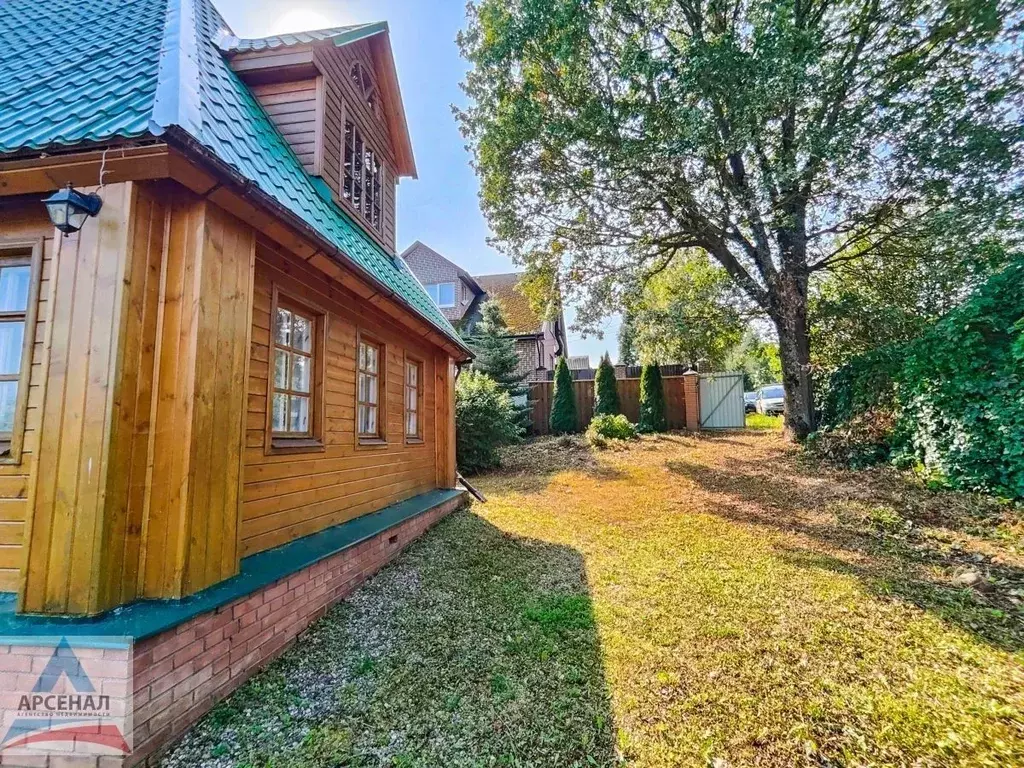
{"type": "Point", "coordinates": [681, 602]}
{"type": "Point", "coordinates": [764, 421]}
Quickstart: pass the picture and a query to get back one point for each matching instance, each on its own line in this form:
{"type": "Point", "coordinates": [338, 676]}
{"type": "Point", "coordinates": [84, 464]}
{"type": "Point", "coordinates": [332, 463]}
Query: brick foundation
{"type": "Point", "coordinates": [180, 674]}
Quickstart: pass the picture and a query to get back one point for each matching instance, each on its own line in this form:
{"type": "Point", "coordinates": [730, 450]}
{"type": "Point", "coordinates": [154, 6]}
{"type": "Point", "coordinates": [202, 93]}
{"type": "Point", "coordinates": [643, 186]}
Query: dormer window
{"type": "Point", "coordinates": [363, 82]}
{"type": "Point", "coordinates": [361, 177]}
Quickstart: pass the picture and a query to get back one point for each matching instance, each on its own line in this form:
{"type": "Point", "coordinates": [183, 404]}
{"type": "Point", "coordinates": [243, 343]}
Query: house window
{"type": "Point", "coordinates": [413, 392]}
{"type": "Point", "coordinates": [368, 415]}
{"type": "Point", "coordinates": [443, 294]}
{"type": "Point", "coordinates": [363, 82]}
{"type": "Point", "coordinates": [361, 185]}
{"type": "Point", "coordinates": [20, 267]}
{"type": "Point", "coordinates": [292, 410]}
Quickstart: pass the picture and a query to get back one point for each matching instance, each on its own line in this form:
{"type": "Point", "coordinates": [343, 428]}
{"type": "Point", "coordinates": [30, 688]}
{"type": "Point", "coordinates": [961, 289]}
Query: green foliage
{"type": "Point", "coordinates": [606, 389]}
{"type": "Point", "coordinates": [627, 340]}
{"type": "Point", "coordinates": [688, 314]}
{"type": "Point", "coordinates": [652, 400]}
{"type": "Point", "coordinates": [807, 130]}
{"type": "Point", "coordinates": [762, 421]}
{"type": "Point", "coordinates": [605, 428]}
{"type": "Point", "coordinates": [891, 296]}
{"type": "Point", "coordinates": [563, 401]}
{"type": "Point", "coordinates": [758, 360]}
{"type": "Point", "coordinates": [494, 350]}
{"type": "Point", "coordinates": [949, 403]}
{"type": "Point", "coordinates": [485, 420]}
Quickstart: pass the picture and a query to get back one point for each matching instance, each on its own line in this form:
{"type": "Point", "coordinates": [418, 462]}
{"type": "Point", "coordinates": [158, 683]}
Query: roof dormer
{"type": "Point", "coordinates": [334, 96]}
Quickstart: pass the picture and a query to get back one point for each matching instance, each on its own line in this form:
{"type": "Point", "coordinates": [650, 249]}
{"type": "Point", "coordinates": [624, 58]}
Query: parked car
{"type": "Point", "coordinates": [771, 400]}
{"type": "Point", "coordinates": [750, 402]}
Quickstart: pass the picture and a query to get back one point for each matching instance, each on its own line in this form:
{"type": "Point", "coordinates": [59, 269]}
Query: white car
{"type": "Point", "coordinates": [771, 400]}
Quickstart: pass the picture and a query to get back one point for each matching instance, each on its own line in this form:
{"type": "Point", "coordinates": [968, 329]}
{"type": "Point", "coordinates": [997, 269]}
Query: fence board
{"type": "Point", "coordinates": [629, 402]}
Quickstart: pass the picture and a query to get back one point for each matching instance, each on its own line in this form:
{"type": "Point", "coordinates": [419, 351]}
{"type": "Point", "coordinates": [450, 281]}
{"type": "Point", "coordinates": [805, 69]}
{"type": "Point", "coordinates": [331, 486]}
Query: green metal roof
{"type": "Point", "coordinates": [117, 69]}
{"type": "Point", "coordinates": [339, 35]}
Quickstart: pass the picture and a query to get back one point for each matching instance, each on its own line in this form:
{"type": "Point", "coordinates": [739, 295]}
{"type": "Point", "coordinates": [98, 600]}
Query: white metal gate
{"type": "Point", "coordinates": [721, 401]}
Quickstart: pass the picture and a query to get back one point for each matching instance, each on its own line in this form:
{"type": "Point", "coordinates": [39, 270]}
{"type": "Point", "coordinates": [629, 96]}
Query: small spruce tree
{"type": "Point", "coordinates": [652, 400]}
{"type": "Point", "coordinates": [563, 401]}
{"type": "Point", "coordinates": [606, 389]}
{"type": "Point", "coordinates": [627, 339]}
{"type": "Point", "coordinates": [495, 349]}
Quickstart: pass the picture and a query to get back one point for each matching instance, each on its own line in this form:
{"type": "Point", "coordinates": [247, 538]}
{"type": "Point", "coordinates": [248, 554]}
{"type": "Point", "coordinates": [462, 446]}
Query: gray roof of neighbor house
{"type": "Point", "coordinates": [126, 69]}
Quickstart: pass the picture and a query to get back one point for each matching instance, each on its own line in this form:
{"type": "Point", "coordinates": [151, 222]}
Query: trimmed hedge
{"type": "Point", "coordinates": [954, 397]}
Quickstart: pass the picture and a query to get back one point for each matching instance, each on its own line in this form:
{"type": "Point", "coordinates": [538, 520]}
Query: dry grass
{"type": "Point", "coordinates": [683, 601]}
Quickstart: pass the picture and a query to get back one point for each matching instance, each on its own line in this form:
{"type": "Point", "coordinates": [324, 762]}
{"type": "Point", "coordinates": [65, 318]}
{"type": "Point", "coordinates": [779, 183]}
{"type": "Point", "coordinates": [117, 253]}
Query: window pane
{"type": "Point", "coordinates": [279, 417]}
{"type": "Point", "coordinates": [300, 373]}
{"type": "Point", "coordinates": [299, 417]}
{"type": "Point", "coordinates": [283, 327]}
{"type": "Point", "coordinates": [411, 396]}
{"type": "Point", "coordinates": [8, 400]}
{"type": "Point", "coordinates": [412, 372]}
{"type": "Point", "coordinates": [11, 336]}
{"type": "Point", "coordinates": [446, 294]}
{"type": "Point", "coordinates": [14, 288]}
{"type": "Point", "coordinates": [281, 369]}
{"type": "Point", "coordinates": [303, 334]}
{"type": "Point", "coordinates": [371, 359]}
{"type": "Point", "coordinates": [367, 420]}
{"type": "Point", "coordinates": [411, 426]}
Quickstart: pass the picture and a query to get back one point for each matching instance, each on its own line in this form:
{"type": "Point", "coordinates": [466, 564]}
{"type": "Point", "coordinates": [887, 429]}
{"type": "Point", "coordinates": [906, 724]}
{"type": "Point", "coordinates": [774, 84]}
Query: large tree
{"type": "Point", "coordinates": [612, 135]}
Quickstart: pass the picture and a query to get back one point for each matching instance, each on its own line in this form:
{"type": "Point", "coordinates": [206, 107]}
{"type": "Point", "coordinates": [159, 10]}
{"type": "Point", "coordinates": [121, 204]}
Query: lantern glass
{"type": "Point", "coordinates": [69, 208]}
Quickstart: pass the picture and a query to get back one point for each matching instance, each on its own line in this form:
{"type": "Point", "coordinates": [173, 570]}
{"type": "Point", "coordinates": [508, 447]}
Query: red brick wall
{"type": "Point", "coordinates": [182, 673]}
{"type": "Point", "coordinates": [691, 398]}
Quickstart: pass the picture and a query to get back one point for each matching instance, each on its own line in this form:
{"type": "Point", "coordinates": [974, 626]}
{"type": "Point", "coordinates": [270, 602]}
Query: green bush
{"type": "Point", "coordinates": [949, 403]}
{"type": "Point", "coordinates": [606, 427]}
{"type": "Point", "coordinates": [485, 420]}
{"type": "Point", "coordinates": [606, 389]}
{"type": "Point", "coordinates": [563, 401]}
{"type": "Point", "coordinates": [652, 400]}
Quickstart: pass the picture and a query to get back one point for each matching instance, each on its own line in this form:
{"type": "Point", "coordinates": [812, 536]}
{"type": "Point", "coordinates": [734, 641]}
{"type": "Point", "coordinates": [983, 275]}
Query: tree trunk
{"type": "Point", "coordinates": [790, 317]}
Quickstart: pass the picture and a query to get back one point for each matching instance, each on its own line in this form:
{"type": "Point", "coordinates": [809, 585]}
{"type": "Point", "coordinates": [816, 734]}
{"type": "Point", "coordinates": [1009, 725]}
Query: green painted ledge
{"type": "Point", "coordinates": [146, 618]}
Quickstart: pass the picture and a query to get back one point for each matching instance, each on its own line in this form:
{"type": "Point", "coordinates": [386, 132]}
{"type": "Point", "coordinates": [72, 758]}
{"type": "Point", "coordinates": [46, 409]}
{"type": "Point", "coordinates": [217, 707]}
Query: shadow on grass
{"type": "Point", "coordinates": [881, 527]}
{"type": "Point", "coordinates": [473, 648]}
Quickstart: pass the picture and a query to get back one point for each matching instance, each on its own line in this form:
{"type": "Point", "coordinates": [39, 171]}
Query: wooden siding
{"type": "Point", "coordinates": [295, 107]}
{"type": "Point", "coordinates": [340, 99]}
{"type": "Point", "coordinates": [292, 495]}
{"type": "Point", "coordinates": [191, 513]}
{"type": "Point", "coordinates": [73, 475]}
{"type": "Point", "coordinates": [25, 221]}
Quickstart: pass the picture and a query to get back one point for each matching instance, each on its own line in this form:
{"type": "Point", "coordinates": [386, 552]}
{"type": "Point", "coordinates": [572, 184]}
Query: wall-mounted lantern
{"type": "Point", "coordinates": [69, 208]}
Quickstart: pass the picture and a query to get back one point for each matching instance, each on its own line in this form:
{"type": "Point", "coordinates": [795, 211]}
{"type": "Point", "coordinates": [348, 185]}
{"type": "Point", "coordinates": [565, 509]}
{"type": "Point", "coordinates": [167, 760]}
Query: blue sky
{"type": "Point", "coordinates": [440, 208]}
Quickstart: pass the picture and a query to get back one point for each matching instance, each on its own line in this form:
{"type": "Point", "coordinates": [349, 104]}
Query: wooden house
{"type": "Point", "coordinates": [223, 400]}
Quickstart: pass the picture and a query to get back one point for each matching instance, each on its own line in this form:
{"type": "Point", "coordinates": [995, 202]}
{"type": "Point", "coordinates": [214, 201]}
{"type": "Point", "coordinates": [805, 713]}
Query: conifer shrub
{"type": "Point", "coordinates": [652, 400]}
{"type": "Point", "coordinates": [485, 420]}
{"type": "Point", "coordinates": [606, 389]}
{"type": "Point", "coordinates": [563, 401]}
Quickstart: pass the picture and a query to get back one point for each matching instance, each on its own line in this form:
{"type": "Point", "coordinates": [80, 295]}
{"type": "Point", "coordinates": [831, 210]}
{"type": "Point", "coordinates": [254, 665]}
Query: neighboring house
{"type": "Point", "coordinates": [226, 380]}
{"type": "Point", "coordinates": [539, 341]}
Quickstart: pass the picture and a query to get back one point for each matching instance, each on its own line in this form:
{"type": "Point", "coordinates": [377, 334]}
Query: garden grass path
{"type": "Point", "coordinates": [685, 601]}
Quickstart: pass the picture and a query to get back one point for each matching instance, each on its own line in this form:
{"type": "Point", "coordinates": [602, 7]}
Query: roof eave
{"type": "Point", "coordinates": [188, 144]}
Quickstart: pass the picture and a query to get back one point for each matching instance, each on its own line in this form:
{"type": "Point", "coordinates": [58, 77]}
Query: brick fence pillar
{"type": "Point", "coordinates": [691, 400]}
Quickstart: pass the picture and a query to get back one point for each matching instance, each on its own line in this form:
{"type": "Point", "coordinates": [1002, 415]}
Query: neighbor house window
{"type": "Point", "coordinates": [361, 185]}
{"type": "Point", "coordinates": [19, 277]}
{"type": "Point", "coordinates": [413, 391]}
{"type": "Point", "coordinates": [370, 361]}
{"type": "Point", "coordinates": [443, 294]}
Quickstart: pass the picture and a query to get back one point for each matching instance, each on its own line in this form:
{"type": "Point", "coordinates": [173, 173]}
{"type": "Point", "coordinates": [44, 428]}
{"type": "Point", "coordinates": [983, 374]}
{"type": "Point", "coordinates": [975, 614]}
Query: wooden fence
{"type": "Point", "coordinates": [629, 402]}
